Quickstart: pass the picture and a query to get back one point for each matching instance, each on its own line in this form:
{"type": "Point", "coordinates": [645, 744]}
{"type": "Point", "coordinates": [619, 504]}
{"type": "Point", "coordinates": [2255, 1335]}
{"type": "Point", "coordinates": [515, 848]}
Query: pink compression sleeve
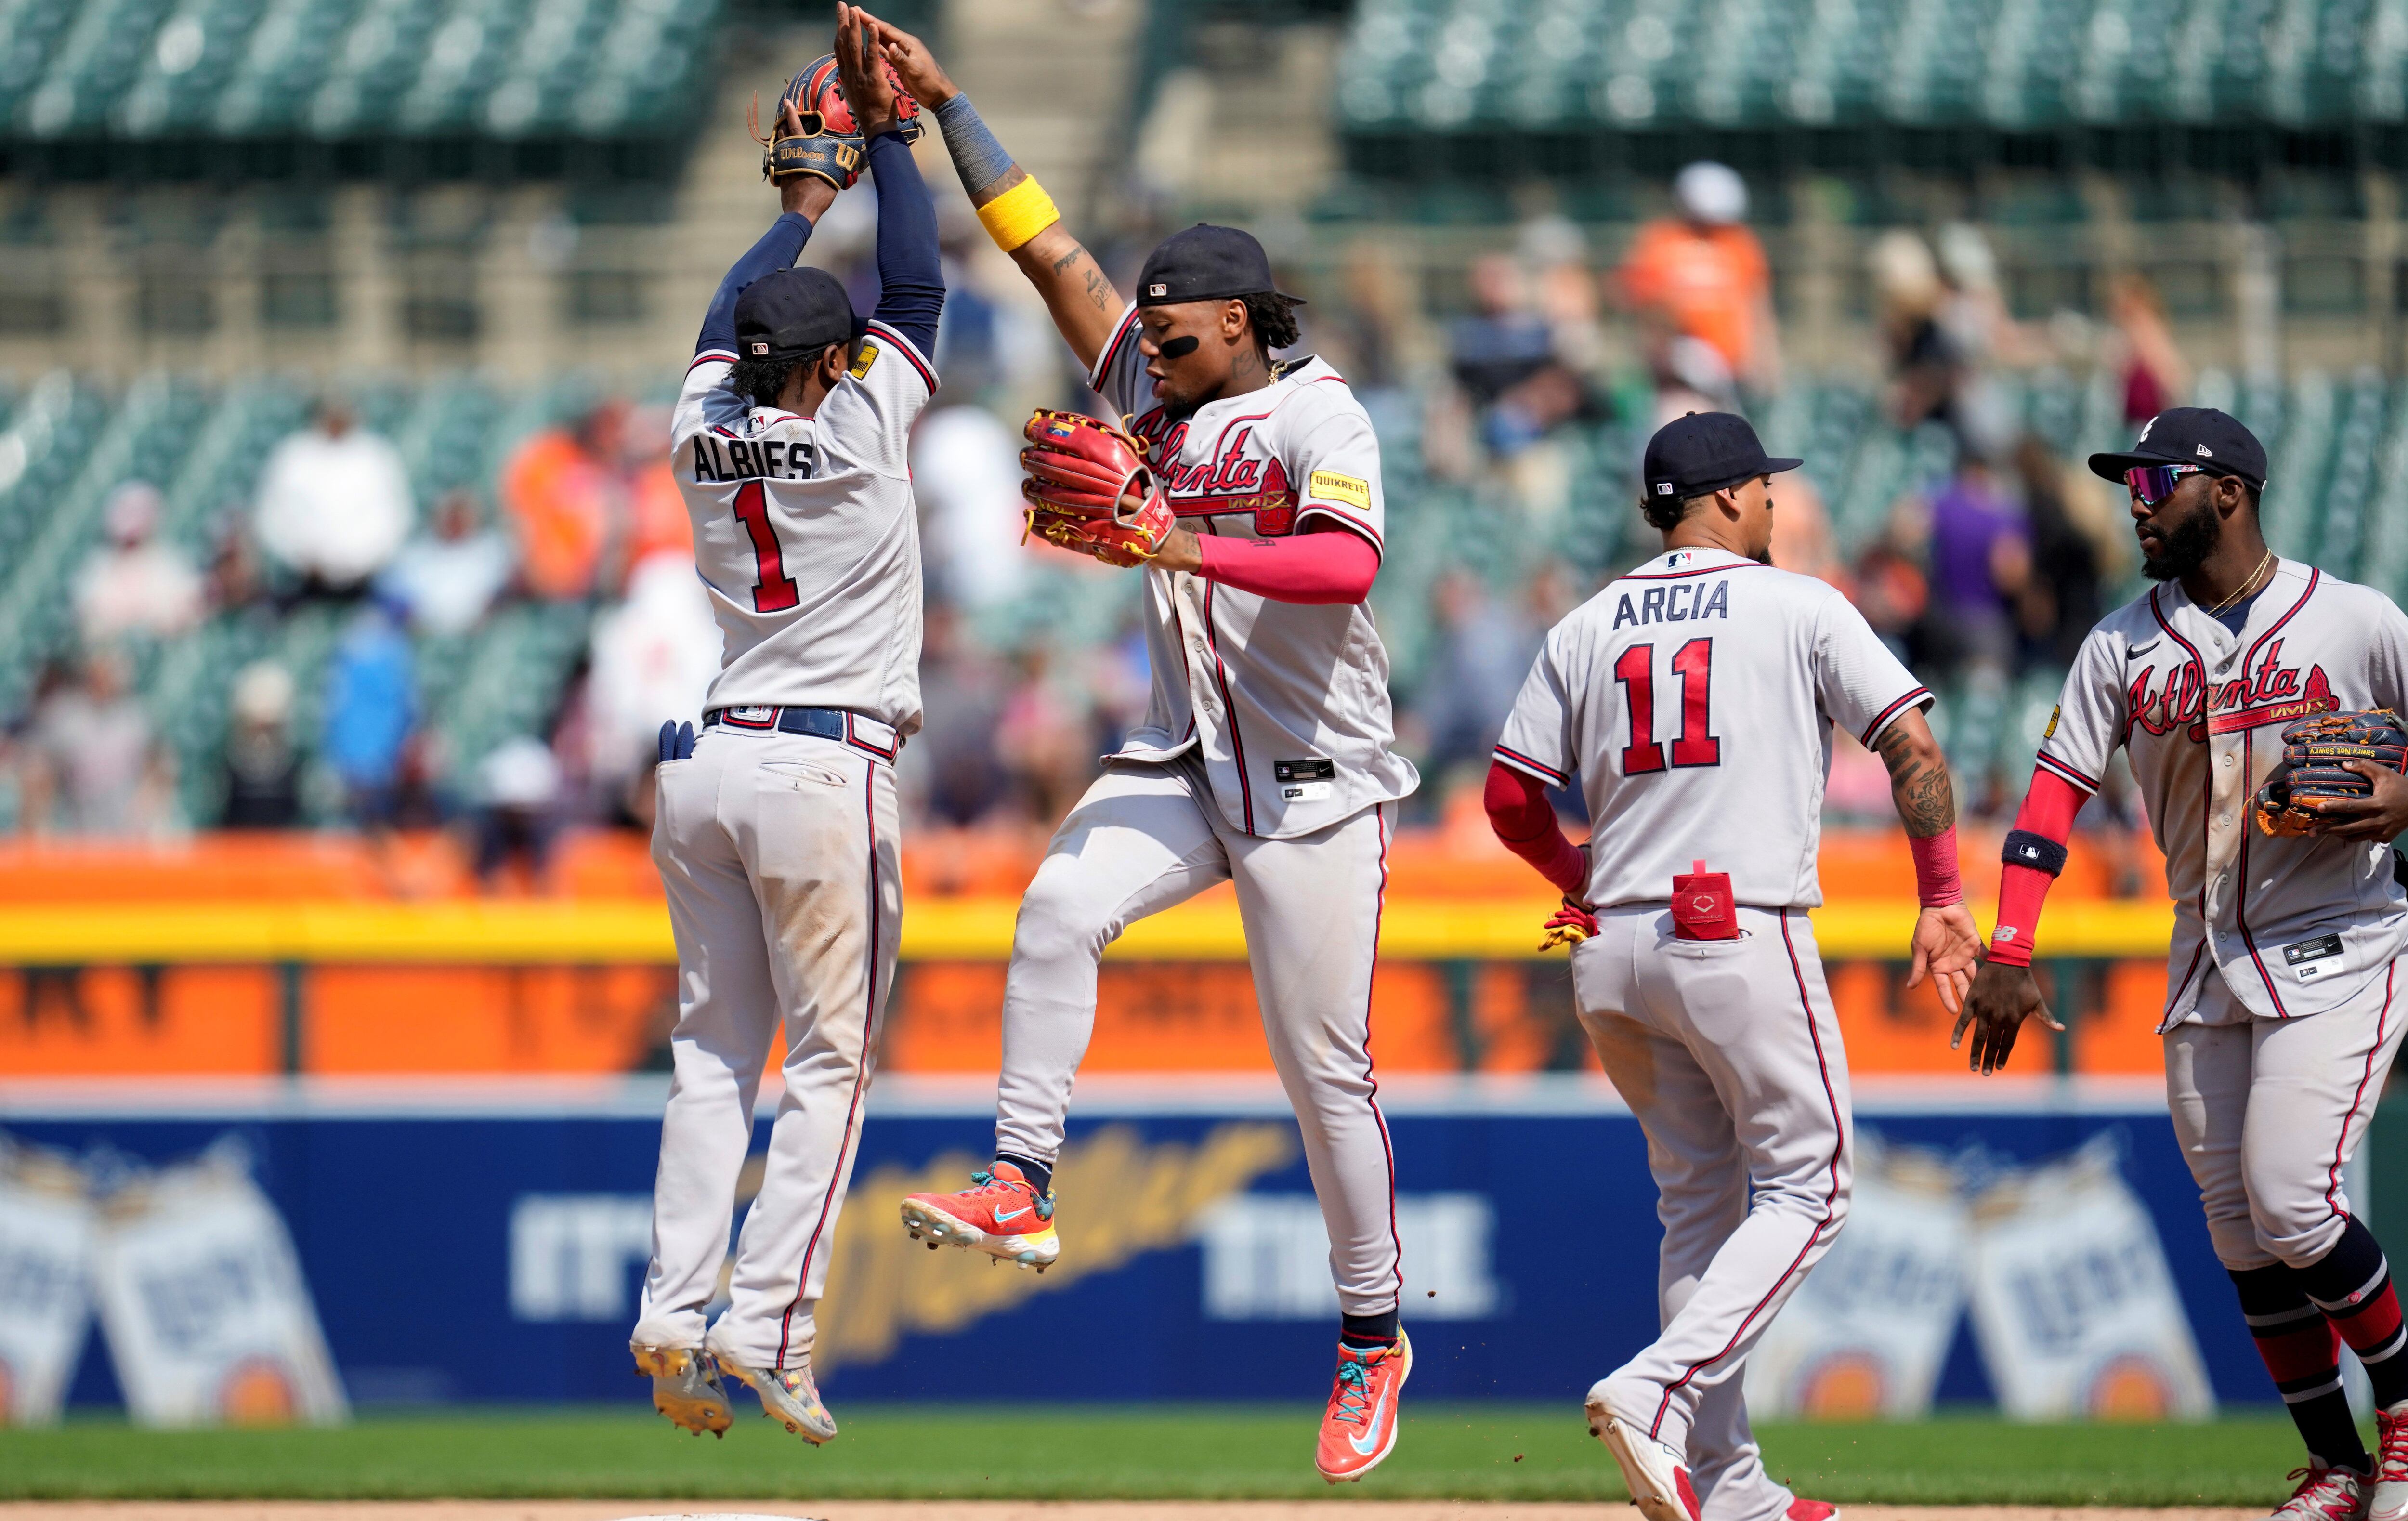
{"type": "Point", "coordinates": [1336, 566]}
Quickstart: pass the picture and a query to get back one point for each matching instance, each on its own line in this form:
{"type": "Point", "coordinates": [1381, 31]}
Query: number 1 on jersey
{"type": "Point", "coordinates": [1693, 664]}
{"type": "Point", "coordinates": [771, 591]}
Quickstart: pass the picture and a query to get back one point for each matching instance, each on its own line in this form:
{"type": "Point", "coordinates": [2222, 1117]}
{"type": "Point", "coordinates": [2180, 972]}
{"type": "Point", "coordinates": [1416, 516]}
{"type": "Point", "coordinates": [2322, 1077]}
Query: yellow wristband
{"type": "Point", "coordinates": [1018, 214]}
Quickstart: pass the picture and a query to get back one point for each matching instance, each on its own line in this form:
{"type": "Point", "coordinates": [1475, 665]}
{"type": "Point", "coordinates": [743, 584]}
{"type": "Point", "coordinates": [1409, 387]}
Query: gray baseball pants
{"type": "Point", "coordinates": [1728, 1054]}
{"type": "Point", "coordinates": [779, 854]}
{"type": "Point", "coordinates": [1140, 841]}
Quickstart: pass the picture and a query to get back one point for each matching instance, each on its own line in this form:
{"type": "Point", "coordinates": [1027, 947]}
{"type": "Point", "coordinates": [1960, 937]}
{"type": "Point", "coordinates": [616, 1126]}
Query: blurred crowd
{"type": "Point", "coordinates": [1512, 392]}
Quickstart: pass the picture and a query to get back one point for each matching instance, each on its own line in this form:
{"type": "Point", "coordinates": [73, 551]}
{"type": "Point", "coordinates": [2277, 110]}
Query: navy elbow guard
{"type": "Point", "coordinates": [2038, 852]}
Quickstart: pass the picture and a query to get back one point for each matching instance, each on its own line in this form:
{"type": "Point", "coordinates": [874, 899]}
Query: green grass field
{"type": "Point", "coordinates": [1483, 1452]}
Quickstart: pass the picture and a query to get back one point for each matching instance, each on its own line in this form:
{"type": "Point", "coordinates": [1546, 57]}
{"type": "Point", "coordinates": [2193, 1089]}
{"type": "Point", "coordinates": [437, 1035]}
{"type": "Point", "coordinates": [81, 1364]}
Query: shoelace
{"type": "Point", "coordinates": [1352, 1395]}
{"type": "Point", "coordinates": [2312, 1478]}
{"type": "Point", "coordinates": [2390, 1450]}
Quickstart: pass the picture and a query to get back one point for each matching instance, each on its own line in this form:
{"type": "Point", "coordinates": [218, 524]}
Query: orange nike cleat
{"type": "Point", "coordinates": [1000, 1213]}
{"type": "Point", "coordinates": [1359, 1428]}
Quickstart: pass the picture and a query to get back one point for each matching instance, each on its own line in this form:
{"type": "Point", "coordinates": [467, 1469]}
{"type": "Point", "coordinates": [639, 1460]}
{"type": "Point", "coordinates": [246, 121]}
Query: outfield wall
{"type": "Point", "coordinates": [467, 1241]}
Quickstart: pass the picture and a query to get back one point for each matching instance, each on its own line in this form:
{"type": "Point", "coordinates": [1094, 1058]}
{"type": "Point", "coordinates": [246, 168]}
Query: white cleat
{"type": "Point", "coordinates": [2325, 1495]}
{"type": "Point", "coordinates": [686, 1388]}
{"type": "Point", "coordinates": [1659, 1475]}
{"type": "Point", "coordinates": [790, 1398]}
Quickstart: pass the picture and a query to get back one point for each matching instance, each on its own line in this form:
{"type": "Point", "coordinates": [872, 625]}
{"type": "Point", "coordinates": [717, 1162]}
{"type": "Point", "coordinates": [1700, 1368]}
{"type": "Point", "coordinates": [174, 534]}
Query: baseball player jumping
{"type": "Point", "coordinates": [2282, 1012]}
{"type": "Point", "coordinates": [776, 835]}
{"type": "Point", "coordinates": [1265, 757]}
{"type": "Point", "coordinates": [1694, 700]}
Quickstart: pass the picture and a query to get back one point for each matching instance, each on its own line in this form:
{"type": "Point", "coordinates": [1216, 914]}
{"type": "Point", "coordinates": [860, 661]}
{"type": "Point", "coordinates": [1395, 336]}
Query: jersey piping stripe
{"type": "Point", "coordinates": [1112, 349]}
{"type": "Point", "coordinates": [1388, 1147]}
{"type": "Point", "coordinates": [711, 356]}
{"type": "Point", "coordinates": [1361, 530]}
{"type": "Point", "coordinates": [860, 1072]}
{"type": "Point", "coordinates": [2166, 1019]}
{"type": "Point", "coordinates": [1882, 719]}
{"type": "Point", "coordinates": [2206, 798]}
{"type": "Point", "coordinates": [2240, 901]}
{"type": "Point", "coordinates": [1521, 762]}
{"type": "Point", "coordinates": [2065, 772]}
{"type": "Point", "coordinates": [2248, 786]}
{"type": "Point", "coordinates": [907, 350]}
{"type": "Point", "coordinates": [1703, 571]}
{"type": "Point", "coordinates": [2374, 1049]}
{"type": "Point", "coordinates": [1830, 1196]}
{"type": "Point", "coordinates": [1228, 706]}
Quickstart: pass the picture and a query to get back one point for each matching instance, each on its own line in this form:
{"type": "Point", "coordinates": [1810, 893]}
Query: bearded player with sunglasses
{"type": "Point", "coordinates": [2284, 1006]}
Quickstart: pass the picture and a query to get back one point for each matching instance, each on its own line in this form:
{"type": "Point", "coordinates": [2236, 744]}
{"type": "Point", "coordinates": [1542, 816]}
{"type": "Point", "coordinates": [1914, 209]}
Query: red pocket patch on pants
{"type": "Point", "coordinates": [1703, 908]}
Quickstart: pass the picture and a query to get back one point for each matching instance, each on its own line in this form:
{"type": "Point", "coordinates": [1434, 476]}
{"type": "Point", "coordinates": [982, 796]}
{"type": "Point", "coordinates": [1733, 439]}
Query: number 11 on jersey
{"type": "Point", "coordinates": [771, 591]}
{"type": "Point", "coordinates": [1693, 664]}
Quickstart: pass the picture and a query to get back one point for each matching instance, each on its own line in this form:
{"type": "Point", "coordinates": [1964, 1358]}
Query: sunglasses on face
{"type": "Point", "coordinates": [2152, 484]}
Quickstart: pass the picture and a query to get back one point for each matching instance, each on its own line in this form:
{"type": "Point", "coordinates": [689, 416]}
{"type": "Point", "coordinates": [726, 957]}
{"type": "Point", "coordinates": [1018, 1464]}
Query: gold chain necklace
{"type": "Point", "coordinates": [2245, 585]}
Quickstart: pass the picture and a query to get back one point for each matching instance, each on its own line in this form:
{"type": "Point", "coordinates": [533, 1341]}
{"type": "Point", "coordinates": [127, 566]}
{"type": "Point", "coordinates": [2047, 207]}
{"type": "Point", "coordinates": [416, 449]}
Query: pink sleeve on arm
{"type": "Point", "coordinates": [1324, 568]}
{"type": "Point", "coordinates": [2048, 811]}
{"type": "Point", "coordinates": [1525, 821]}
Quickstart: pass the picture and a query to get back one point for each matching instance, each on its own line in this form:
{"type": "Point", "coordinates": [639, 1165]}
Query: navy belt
{"type": "Point", "coordinates": [837, 724]}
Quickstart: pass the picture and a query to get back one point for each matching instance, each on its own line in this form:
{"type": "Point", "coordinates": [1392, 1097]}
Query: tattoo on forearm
{"type": "Point", "coordinates": [1100, 289]}
{"type": "Point", "coordinates": [1077, 252]}
{"type": "Point", "coordinates": [1926, 805]}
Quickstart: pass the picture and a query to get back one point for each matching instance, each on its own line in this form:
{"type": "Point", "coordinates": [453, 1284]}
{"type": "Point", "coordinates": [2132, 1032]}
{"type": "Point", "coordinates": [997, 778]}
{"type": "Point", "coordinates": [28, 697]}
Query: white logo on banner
{"type": "Point", "coordinates": [209, 1317]}
{"type": "Point", "coordinates": [2076, 1311]}
{"type": "Point", "coordinates": [1267, 1257]}
{"type": "Point", "coordinates": [46, 1228]}
{"type": "Point", "coordinates": [1867, 1333]}
{"type": "Point", "coordinates": [571, 1254]}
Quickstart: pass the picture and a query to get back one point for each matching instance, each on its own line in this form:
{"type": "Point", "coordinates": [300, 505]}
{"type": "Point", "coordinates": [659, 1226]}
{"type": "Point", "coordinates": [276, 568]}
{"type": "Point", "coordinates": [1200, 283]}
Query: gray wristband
{"type": "Point", "coordinates": [978, 158]}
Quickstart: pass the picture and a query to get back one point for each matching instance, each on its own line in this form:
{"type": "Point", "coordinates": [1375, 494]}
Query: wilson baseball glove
{"type": "Point", "coordinates": [829, 144]}
{"type": "Point", "coordinates": [2314, 750]}
{"type": "Point", "coordinates": [1082, 477]}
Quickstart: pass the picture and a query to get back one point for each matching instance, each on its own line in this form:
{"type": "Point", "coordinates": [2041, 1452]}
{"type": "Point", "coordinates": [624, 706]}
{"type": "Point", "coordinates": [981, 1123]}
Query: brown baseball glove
{"type": "Point", "coordinates": [2314, 750]}
{"type": "Point", "coordinates": [1090, 489]}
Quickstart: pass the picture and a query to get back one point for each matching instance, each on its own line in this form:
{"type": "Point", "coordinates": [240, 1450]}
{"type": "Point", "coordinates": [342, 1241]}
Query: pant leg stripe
{"type": "Point", "coordinates": [860, 1071]}
{"type": "Point", "coordinates": [2341, 1143]}
{"type": "Point", "coordinates": [1831, 1197]}
{"type": "Point", "coordinates": [1388, 1147]}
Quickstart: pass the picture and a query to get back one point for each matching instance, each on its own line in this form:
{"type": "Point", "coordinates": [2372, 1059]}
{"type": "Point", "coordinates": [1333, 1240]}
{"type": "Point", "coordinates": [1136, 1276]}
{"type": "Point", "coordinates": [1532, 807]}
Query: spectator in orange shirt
{"type": "Point", "coordinates": [566, 500]}
{"type": "Point", "coordinates": [1702, 275]}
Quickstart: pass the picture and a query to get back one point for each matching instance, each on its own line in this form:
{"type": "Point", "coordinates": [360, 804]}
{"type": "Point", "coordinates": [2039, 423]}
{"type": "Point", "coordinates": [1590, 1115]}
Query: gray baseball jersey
{"type": "Point", "coordinates": [838, 625]}
{"type": "Point", "coordinates": [2296, 925]}
{"type": "Point", "coordinates": [1694, 698]}
{"type": "Point", "coordinates": [1286, 703]}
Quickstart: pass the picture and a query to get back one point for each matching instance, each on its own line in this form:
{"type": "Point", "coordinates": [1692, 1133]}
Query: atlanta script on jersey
{"type": "Point", "coordinates": [1287, 704]}
{"type": "Point", "coordinates": [805, 534]}
{"type": "Point", "coordinates": [1694, 700]}
{"type": "Point", "coordinates": [2299, 925]}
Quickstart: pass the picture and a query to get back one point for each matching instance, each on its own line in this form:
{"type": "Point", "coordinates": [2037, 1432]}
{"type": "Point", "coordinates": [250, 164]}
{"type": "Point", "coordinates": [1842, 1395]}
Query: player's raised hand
{"type": "Point", "coordinates": [2003, 998]}
{"type": "Point", "coordinates": [1946, 947]}
{"type": "Point", "coordinates": [867, 88]}
{"type": "Point", "coordinates": [806, 195]}
{"type": "Point", "coordinates": [913, 64]}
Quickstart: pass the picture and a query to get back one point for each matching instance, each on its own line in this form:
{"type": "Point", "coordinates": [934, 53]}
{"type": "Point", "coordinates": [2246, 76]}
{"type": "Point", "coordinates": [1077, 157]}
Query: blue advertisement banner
{"type": "Point", "coordinates": [491, 1250]}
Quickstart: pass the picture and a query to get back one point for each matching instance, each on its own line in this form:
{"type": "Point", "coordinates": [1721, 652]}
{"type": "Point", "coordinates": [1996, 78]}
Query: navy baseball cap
{"type": "Point", "coordinates": [1207, 264]}
{"type": "Point", "coordinates": [2201, 435]}
{"type": "Point", "coordinates": [1703, 451]}
{"type": "Point", "coordinates": [791, 312]}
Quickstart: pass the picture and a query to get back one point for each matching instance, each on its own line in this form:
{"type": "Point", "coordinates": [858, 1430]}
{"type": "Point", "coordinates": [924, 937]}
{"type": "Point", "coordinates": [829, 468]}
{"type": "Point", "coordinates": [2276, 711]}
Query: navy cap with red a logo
{"type": "Point", "coordinates": [2214, 442]}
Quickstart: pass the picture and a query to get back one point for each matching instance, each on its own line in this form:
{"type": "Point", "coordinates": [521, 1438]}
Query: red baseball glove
{"type": "Point", "coordinates": [1090, 489]}
{"type": "Point", "coordinates": [829, 145]}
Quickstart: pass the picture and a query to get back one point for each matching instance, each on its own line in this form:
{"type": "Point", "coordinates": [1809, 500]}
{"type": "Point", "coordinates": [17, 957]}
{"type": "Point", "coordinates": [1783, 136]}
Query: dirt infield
{"type": "Point", "coordinates": [1004, 1511]}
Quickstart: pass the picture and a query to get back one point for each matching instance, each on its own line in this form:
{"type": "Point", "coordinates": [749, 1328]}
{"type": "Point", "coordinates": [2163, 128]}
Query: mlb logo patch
{"type": "Point", "coordinates": [760, 349]}
{"type": "Point", "coordinates": [1663, 488]}
{"type": "Point", "coordinates": [1678, 558]}
{"type": "Point", "coordinates": [1157, 290]}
